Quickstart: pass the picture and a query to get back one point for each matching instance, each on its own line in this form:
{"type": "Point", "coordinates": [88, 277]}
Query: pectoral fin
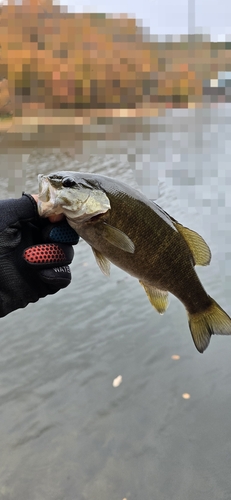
{"type": "Point", "coordinates": [197, 245]}
{"type": "Point", "coordinates": [117, 238]}
{"type": "Point", "coordinates": [103, 262]}
{"type": "Point", "coordinates": [158, 298]}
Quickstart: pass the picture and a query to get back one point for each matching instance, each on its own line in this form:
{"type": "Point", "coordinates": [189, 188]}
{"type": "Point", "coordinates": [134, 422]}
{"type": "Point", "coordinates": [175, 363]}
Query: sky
{"type": "Point", "coordinates": [163, 17]}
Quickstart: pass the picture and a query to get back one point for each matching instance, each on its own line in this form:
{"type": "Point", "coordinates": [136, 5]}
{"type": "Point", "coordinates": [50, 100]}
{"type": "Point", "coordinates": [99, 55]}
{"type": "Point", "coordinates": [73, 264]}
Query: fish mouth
{"type": "Point", "coordinates": [48, 198]}
{"type": "Point", "coordinates": [61, 194]}
{"type": "Point", "coordinates": [44, 191]}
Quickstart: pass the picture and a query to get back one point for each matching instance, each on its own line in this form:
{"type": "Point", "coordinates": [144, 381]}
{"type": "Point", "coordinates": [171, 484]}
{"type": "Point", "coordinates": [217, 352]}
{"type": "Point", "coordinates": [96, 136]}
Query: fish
{"type": "Point", "coordinates": [134, 233]}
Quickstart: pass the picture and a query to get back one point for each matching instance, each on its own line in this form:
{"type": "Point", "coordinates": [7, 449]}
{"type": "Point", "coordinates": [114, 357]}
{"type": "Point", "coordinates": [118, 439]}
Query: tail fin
{"type": "Point", "coordinates": [212, 321]}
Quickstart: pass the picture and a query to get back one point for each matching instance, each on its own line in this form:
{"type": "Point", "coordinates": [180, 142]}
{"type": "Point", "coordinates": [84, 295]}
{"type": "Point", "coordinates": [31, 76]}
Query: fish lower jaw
{"type": "Point", "coordinates": [79, 219]}
{"type": "Point", "coordinates": [46, 209]}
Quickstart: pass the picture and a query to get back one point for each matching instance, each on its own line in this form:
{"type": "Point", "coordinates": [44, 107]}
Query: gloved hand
{"type": "Point", "coordinates": [34, 254]}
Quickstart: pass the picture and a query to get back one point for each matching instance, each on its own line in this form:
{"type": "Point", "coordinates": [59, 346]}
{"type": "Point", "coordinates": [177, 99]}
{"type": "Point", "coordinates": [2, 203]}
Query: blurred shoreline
{"type": "Point", "coordinates": [44, 117]}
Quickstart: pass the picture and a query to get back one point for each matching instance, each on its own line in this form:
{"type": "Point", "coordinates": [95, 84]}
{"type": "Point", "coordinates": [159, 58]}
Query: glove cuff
{"type": "Point", "coordinates": [33, 204]}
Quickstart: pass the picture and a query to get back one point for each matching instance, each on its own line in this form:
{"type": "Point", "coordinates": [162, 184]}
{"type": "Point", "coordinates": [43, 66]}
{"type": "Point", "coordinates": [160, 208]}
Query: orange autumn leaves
{"type": "Point", "coordinates": [64, 60]}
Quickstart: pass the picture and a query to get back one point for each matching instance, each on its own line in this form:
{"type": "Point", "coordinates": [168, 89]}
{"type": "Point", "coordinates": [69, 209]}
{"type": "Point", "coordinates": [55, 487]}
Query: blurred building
{"type": "Point", "coordinates": [218, 89]}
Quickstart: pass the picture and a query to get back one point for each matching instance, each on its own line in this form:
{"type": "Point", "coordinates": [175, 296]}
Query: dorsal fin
{"type": "Point", "coordinates": [199, 249]}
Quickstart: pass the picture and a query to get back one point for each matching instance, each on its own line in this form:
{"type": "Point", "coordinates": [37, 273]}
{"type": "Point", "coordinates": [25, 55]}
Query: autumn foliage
{"type": "Point", "coordinates": [73, 61]}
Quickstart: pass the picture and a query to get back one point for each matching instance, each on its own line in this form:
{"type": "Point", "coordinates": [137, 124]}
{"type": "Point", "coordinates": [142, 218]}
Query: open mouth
{"type": "Point", "coordinates": [47, 200]}
{"type": "Point", "coordinates": [47, 192]}
{"type": "Point", "coordinates": [44, 188]}
{"type": "Point", "coordinates": [44, 191]}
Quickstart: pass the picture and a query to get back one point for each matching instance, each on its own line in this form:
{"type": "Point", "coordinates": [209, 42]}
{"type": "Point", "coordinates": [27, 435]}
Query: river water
{"type": "Point", "coordinates": [67, 433]}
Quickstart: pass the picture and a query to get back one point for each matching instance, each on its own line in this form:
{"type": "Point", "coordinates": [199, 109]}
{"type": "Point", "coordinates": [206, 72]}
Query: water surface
{"type": "Point", "coordinates": [66, 432]}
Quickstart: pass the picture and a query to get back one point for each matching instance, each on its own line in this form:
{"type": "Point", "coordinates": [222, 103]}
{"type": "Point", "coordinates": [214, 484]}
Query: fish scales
{"type": "Point", "coordinates": [125, 228]}
{"type": "Point", "coordinates": [157, 247]}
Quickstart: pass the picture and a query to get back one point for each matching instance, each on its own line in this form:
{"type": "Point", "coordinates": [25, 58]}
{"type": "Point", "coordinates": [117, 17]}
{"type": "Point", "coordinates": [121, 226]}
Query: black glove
{"type": "Point", "coordinates": [31, 266]}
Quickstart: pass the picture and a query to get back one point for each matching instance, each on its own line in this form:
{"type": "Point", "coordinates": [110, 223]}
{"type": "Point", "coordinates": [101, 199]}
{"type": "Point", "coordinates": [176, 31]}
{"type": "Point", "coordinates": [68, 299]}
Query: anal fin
{"type": "Point", "coordinates": [158, 298]}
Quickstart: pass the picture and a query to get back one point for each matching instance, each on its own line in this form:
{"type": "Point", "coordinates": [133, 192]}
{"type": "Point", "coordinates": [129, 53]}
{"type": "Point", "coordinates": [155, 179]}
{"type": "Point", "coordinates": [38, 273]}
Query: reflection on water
{"type": "Point", "coordinates": [101, 398]}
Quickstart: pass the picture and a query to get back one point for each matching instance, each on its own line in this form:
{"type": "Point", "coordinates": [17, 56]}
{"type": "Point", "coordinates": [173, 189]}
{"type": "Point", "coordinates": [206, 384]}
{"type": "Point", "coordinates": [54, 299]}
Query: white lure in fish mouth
{"type": "Point", "coordinates": [78, 202]}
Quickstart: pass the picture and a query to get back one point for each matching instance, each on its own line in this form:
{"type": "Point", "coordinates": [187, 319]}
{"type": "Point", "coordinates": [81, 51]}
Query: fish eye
{"type": "Point", "coordinates": [68, 182]}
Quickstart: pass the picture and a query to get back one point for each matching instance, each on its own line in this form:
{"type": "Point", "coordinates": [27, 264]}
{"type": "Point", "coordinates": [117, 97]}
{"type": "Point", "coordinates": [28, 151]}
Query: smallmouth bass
{"type": "Point", "coordinates": [123, 227]}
